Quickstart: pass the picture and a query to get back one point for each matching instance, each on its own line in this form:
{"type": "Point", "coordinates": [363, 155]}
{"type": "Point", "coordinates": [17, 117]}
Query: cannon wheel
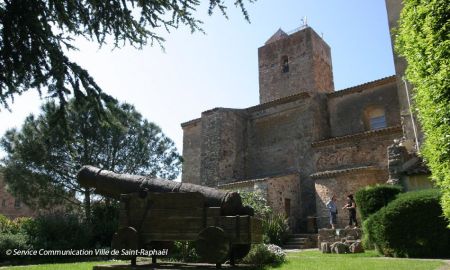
{"type": "Point", "coordinates": [212, 245]}
{"type": "Point", "coordinates": [126, 238]}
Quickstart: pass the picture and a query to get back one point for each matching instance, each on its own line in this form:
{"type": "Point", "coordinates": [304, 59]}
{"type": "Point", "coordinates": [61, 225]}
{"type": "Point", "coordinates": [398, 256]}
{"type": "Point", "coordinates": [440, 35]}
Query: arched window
{"type": "Point", "coordinates": [284, 64]}
{"type": "Point", "coordinates": [374, 118]}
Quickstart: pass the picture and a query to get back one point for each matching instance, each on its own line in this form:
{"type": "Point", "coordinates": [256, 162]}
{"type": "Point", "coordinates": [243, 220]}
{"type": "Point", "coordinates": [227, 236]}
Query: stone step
{"type": "Point", "coordinates": [293, 246]}
{"type": "Point", "coordinates": [303, 235]}
{"type": "Point", "coordinates": [297, 241]}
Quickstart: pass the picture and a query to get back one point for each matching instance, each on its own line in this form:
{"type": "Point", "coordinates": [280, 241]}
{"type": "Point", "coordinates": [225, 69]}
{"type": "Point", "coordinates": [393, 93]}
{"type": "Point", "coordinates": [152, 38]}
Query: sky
{"type": "Point", "coordinates": [197, 72]}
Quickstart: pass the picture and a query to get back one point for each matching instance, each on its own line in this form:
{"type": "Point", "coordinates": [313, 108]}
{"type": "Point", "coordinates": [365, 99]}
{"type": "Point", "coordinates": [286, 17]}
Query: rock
{"type": "Point", "coordinates": [339, 248]}
{"type": "Point", "coordinates": [356, 247]}
{"type": "Point", "coordinates": [325, 247]}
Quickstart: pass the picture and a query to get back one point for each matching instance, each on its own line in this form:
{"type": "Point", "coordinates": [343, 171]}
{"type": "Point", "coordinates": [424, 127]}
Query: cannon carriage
{"type": "Point", "coordinates": [155, 212]}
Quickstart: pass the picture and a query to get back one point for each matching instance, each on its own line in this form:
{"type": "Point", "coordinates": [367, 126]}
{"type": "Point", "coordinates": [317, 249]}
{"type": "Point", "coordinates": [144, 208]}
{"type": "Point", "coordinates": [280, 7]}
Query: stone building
{"type": "Point", "coordinates": [305, 141]}
{"type": "Point", "coordinates": [11, 206]}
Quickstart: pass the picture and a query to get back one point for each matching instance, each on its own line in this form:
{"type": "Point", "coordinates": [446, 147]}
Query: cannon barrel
{"type": "Point", "coordinates": [112, 185]}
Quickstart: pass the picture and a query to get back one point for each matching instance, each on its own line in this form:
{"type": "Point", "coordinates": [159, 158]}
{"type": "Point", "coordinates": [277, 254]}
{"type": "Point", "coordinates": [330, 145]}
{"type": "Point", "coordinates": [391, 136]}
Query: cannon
{"type": "Point", "coordinates": [155, 212]}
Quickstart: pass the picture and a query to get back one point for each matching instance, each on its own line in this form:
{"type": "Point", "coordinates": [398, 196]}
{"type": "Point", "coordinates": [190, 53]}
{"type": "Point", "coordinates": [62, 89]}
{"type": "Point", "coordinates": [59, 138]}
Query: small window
{"type": "Point", "coordinates": [17, 203]}
{"type": "Point", "coordinates": [287, 207]}
{"type": "Point", "coordinates": [284, 64]}
{"type": "Point", "coordinates": [374, 118]}
{"type": "Point", "coordinates": [4, 203]}
{"type": "Point", "coordinates": [377, 122]}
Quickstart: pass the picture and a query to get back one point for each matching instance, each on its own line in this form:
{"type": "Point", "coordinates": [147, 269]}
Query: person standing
{"type": "Point", "coordinates": [351, 207]}
{"type": "Point", "coordinates": [331, 205]}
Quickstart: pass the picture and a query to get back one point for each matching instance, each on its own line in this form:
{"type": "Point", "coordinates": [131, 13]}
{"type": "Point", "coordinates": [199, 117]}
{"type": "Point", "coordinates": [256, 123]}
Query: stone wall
{"type": "Point", "coordinates": [277, 190]}
{"type": "Point", "coordinates": [9, 205]}
{"type": "Point", "coordinates": [192, 144]}
{"type": "Point", "coordinates": [347, 107]}
{"type": "Point", "coordinates": [310, 68]}
{"type": "Point", "coordinates": [368, 148]}
{"type": "Point", "coordinates": [394, 8]}
{"type": "Point", "coordinates": [279, 142]}
{"type": "Point", "coordinates": [214, 147]}
{"type": "Point", "coordinates": [341, 183]}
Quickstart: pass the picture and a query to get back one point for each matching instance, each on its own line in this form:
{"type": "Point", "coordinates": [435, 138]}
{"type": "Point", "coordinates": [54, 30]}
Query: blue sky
{"type": "Point", "coordinates": [197, 72]}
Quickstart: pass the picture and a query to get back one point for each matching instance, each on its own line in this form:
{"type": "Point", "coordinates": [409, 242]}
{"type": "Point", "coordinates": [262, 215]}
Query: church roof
{"type": "Point", "coordinates": [280, 34]}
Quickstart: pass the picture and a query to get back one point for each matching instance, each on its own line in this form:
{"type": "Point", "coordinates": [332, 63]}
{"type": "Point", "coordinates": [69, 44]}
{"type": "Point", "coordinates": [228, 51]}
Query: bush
{"type": "Point", "coordinates": [59, 231]}
{"type": "Point", "coordinates": [184, 252]}
{"type": "Point", "coordinates": [263, 254]}
{"type": "Point", "coordinates": [12, 241]}
{"type": "Point", "coordinates": [104, 223]}
{"type": "Point", "coordinates": [275, 227]}
{"type": "Point", "coordinates": [372, 198]}
{"type": "Point", "coordinates": [257, 201]}
{"type": "Point", "coordinates": [410, 226]}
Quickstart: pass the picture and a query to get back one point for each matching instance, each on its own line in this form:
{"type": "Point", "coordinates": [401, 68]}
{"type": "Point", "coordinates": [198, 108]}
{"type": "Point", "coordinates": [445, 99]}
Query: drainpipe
{"type": "Point", "coordinates": [411, 114]}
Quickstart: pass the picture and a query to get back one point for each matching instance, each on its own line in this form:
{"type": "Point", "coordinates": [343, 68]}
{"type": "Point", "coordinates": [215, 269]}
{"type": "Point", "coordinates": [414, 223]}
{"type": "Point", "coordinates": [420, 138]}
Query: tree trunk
{"type": "Point", "coordinates": [87, 204]}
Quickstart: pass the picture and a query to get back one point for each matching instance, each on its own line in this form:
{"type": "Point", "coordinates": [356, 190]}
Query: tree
{"type": "Point", "coordinates": [34, 35]}
{"type": "Point", "coordinates": [43, 158]}
{"type": "Point", "coordinates": [424, 40]}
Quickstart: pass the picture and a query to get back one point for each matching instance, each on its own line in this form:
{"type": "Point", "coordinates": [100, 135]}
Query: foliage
{"type": "Point", "coordinates": [275, 227]}
{"type": "Point", "coordinates": [14, 226]}
{"type": "Point", "coordinates": [105, 221]}
{"type": "Point", "coordinates": [257, 201]}
{"type": "Point", "coordinates": [410, 226]}
{"type": "Point", "coordinates": [36, 34]}
{"type": "Point", "coordinates": [9, 241]}
{"type": "Point", "coordinates": [372, 198]}
{"type": "Point", "coordinates": [184, 251]}
{"type": "Point", "coordinates": [43, 159]}
{"type": "Point", "coordinates": [423, 39]}
{"type": "Point", "coordinates": [262, 254]}
{"type": "Point", "coordinates": [59, 231]}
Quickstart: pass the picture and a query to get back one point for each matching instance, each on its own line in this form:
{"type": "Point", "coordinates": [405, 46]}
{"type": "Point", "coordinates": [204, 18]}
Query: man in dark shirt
{"type": "Point", "coordinates": [351, 207]}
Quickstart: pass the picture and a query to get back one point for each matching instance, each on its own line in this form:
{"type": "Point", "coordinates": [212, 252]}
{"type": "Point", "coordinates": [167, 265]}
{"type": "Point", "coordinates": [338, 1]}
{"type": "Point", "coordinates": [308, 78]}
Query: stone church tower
{"type": "Point", "coordinates": [304, 142]}
{"type": "Point", "coordinates": [290, 64]}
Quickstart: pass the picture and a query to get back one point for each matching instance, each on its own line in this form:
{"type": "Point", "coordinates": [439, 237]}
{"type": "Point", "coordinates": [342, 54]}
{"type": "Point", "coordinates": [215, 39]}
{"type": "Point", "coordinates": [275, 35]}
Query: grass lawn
{"type": "Point", "coordinates": [307, 260]}
{"type": "Point", "coordinates": [59, 266]}
{"type": "Point", "coordinates": [370, 260]}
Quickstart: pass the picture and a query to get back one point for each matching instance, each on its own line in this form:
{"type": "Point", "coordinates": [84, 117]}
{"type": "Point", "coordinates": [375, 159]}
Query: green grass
{"type": "Point", "coordinates": [307, 260]}
{"type": "Point", "coordinates": [370, 260]}
{"type": "Point", "coordinates": [59, 266]}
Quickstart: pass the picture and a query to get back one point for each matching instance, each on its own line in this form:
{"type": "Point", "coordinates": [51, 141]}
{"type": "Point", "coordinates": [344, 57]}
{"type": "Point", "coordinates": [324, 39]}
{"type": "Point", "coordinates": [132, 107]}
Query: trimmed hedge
{"type": "Point", "coordinates": [372, 198]}
{"type": "Point", "coordinates": [410, 226]}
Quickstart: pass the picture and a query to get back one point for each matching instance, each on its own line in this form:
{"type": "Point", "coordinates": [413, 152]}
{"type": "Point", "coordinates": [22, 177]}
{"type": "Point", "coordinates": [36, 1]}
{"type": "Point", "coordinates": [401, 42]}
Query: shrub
{"type": "Point", "coordinates": [262, 254]}
{"type": "Point", "coordinates": [410, 226]}
{"type": "Point", "coordinates": [12, 241]}
{"type": "Point", "coordinates": [275, 227]}
{"type": "Point", "coordinates": [372, 198]}
{"type": "Point", "coordinates": [257, 201]}
{"type": "Point", "coordinates": [104, 223]}
{"type": "Point", "coordinates": [184, 251]}
{"type": "Point", "coordinates": [59, 231]}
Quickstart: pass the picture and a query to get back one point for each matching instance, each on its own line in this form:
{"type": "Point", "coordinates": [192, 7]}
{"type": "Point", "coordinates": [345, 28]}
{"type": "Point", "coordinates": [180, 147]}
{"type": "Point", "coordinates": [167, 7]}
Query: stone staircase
{"type": "Point", "coordinates": [301, 241]}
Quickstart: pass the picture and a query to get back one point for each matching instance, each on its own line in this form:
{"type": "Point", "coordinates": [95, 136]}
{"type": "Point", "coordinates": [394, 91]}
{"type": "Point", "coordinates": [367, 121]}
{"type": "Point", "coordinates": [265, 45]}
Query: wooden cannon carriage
{"type": "Point", "coordinates": [156, 211]}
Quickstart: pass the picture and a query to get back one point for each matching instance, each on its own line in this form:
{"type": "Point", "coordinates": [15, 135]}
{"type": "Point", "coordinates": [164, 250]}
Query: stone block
{"type": "Point", "coordinates": [325, 247]}
{"type": "Point", "coordinates": [356, 247]}
{"type": "Point", "coordinates": [339, 248]}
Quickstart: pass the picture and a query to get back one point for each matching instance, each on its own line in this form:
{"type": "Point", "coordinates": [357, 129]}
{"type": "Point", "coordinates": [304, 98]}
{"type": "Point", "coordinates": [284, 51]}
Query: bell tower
{"type": "Point", "coordinates": [290, 64]}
